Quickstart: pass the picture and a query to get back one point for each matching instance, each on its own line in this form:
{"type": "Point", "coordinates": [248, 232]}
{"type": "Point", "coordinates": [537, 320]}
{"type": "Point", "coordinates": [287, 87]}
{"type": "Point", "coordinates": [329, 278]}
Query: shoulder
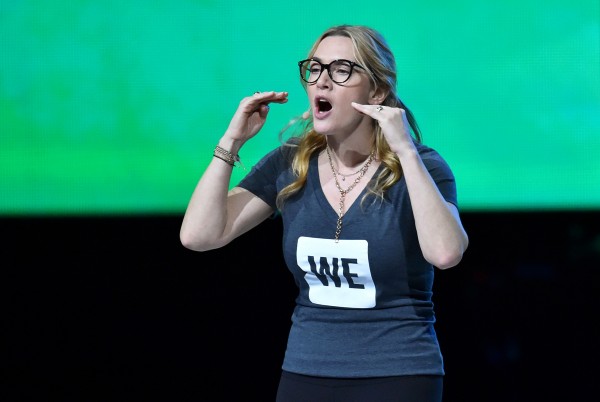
{"type": "Point", "coordinates": [428, 153]}
{"type": "Point", "coordinates": [279, 157]}
{"type": "Point", "coordinates": [434, 161]}
{"type": "Point", "coordinates": [274, 164]}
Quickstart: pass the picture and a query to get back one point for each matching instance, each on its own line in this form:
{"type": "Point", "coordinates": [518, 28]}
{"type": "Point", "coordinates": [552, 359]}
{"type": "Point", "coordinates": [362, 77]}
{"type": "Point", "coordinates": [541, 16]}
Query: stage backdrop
{"type": "Point", "coordinates": [110, 107]}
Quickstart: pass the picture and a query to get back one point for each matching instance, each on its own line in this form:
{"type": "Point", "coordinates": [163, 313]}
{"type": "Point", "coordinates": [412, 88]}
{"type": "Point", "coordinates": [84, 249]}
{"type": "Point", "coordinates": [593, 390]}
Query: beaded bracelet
{"type": "Point", "coordinates": [227, 161]}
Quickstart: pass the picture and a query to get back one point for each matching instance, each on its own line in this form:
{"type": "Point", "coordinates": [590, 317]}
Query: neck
{"type": "Point", "coordinates": [348, 155]}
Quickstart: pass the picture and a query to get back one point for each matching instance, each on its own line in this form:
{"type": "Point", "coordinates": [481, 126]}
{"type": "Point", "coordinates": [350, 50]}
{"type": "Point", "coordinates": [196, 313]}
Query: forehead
{"type": "Point", "coordinates": [335, 47]}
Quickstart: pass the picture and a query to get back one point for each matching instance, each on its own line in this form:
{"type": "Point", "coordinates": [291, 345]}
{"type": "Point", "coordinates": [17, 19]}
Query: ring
{"type": "Point", "coordinates": [379, 108]}
{"type": "Point", "coordinates": [257, 92]}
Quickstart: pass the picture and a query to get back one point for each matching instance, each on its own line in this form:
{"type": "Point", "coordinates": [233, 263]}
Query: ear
{"type": "Point", "coordinates": [377, 96]}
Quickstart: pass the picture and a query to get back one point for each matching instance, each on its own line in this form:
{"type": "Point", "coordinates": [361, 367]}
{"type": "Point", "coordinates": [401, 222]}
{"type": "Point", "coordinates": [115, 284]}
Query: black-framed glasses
{"type": "Point", "coordinates": [339, 70]}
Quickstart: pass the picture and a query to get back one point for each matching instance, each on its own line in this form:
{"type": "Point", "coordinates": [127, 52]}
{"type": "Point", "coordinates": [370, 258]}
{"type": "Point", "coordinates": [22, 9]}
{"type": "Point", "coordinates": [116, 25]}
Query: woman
{"type": "Point", "coordinates": [368, 211]}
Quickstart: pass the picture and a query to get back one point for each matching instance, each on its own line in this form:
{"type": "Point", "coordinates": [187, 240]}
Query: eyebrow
{"type": "Point", "coordinates": [320, 60]}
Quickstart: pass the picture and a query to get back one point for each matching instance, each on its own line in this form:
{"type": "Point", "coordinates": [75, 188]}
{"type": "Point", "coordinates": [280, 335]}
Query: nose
{"type": "Point", "coordinates": [324, 80]}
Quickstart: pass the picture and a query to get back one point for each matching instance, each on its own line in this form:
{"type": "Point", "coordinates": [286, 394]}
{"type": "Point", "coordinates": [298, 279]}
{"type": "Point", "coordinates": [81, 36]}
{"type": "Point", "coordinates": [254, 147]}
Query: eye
{"type": "Point", "coordinates": [313, 66]}
{"type": "Point", "coordinates": [315, 69]}
{"type": "Point", "coordinates": [342, 68]}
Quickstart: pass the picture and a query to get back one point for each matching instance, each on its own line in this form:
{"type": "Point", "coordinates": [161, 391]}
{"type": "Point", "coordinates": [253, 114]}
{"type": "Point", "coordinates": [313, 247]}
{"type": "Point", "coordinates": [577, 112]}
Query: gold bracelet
{"type": "Point", "coordinates": [228, 157]}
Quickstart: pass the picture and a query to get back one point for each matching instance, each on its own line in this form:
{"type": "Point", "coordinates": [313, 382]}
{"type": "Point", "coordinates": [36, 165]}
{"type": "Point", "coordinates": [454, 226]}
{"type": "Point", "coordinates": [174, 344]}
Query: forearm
{"type": "Point", "coordinates": [442, 237]}
{"type": "Point", "coordinates": [214, 215]}
{"type": "Point", "coordinates": [206, 215]}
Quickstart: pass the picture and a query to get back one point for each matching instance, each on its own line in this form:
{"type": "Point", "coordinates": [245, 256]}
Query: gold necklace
{"type": "Point", "coordinates": [349, 174]}
{"type": "Point", "coordinates": [343, 192]}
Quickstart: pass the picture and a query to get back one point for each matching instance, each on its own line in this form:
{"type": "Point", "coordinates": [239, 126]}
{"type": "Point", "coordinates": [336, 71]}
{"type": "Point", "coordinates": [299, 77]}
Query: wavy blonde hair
{"type": "Point", "coordinates": [372, 52]}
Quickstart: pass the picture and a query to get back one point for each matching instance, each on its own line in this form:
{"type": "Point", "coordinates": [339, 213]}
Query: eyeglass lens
{"type": "Point", "coordinates": [339, 70]}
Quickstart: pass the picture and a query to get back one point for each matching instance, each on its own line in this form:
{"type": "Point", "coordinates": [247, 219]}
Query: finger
{"type": "Point", "coordinates": [271, 96]}
{"type": "Point", "coordinates": [259, 100]}
{"type": "Point", "coordinates": [370, 110]}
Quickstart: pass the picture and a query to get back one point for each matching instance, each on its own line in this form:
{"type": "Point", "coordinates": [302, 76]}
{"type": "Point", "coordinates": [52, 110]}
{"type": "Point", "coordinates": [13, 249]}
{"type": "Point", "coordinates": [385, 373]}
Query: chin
{"type": "Point", "coordinates": [324, 129]}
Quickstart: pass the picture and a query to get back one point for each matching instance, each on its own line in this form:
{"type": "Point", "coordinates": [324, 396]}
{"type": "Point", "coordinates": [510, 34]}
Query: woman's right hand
{"type": "Point", "coordinates": [251, 115]}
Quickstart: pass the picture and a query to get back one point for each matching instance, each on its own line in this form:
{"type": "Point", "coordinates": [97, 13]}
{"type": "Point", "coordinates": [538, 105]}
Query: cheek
{"type": "Point", "coordinates": [363, 95]}
{"type": "Point", "coordinates": [310, 93]}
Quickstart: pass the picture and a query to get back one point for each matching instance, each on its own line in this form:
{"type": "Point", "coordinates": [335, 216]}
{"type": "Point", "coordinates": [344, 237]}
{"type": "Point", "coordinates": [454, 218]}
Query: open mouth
{"type": "Point", "coordinates": [323, 105]}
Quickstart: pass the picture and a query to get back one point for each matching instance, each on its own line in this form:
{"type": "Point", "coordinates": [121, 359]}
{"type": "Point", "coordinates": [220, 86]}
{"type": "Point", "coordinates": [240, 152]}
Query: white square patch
{"type": "Point", "coordinates": [338, 274]}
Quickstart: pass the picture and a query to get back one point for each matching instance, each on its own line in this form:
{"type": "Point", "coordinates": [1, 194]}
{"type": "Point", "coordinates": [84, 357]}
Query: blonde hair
{"type": "Point", "coordinates": [372, 52]}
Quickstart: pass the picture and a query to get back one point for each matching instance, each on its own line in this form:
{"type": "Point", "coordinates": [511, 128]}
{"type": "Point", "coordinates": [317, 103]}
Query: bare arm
{"type": "Point", "coordinates": [214, 215]}
{"type": "Point", "coordinates": [442, 237]}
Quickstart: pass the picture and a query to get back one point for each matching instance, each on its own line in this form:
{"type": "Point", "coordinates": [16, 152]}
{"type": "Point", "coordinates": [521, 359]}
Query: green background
{"type": "Point", "coordinates": [110, 107]}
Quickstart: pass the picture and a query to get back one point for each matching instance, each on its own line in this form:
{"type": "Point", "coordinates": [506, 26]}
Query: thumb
{"type": "Point", "coordinates": [263, 110]}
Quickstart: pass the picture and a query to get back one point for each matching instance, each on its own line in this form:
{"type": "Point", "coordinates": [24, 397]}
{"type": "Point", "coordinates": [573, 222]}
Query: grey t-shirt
{"type": "Point", "coordinates": [364, 306]}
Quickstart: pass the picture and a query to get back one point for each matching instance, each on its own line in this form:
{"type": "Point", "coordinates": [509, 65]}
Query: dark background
{"type": "Point", "coordinates": [115, 309]}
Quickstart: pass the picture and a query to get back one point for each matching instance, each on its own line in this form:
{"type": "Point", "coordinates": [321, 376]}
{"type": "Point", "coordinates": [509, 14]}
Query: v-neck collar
{"type": "Point", "coordinates": [331, 212]}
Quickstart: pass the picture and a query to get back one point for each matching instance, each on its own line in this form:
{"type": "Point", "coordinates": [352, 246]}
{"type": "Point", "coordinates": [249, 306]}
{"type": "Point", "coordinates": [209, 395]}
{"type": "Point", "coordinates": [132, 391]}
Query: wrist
{"type": "Point", "coordinates": [232, 159]}
{"type": "Point", "coordinates": [230, 145]}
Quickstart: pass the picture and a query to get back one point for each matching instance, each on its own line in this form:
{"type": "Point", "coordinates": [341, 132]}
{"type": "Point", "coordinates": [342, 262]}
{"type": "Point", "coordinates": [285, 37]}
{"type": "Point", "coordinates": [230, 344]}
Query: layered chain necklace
{"type": "Point", "coordinates": [343, 176]}
{"type": "Point", "coordinates": [361, 172]}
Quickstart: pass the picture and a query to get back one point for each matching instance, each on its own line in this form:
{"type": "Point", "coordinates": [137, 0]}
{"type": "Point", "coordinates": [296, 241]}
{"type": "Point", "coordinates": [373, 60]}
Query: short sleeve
{"type": "Point", "coordinates": [269, 175]}
{"type": "Point", "coordinates": [441, 174]}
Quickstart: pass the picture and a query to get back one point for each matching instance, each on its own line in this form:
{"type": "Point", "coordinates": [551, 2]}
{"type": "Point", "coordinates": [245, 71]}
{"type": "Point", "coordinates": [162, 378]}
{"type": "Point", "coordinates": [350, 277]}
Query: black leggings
{"type": "Point", "coordinates": [302, 388]}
